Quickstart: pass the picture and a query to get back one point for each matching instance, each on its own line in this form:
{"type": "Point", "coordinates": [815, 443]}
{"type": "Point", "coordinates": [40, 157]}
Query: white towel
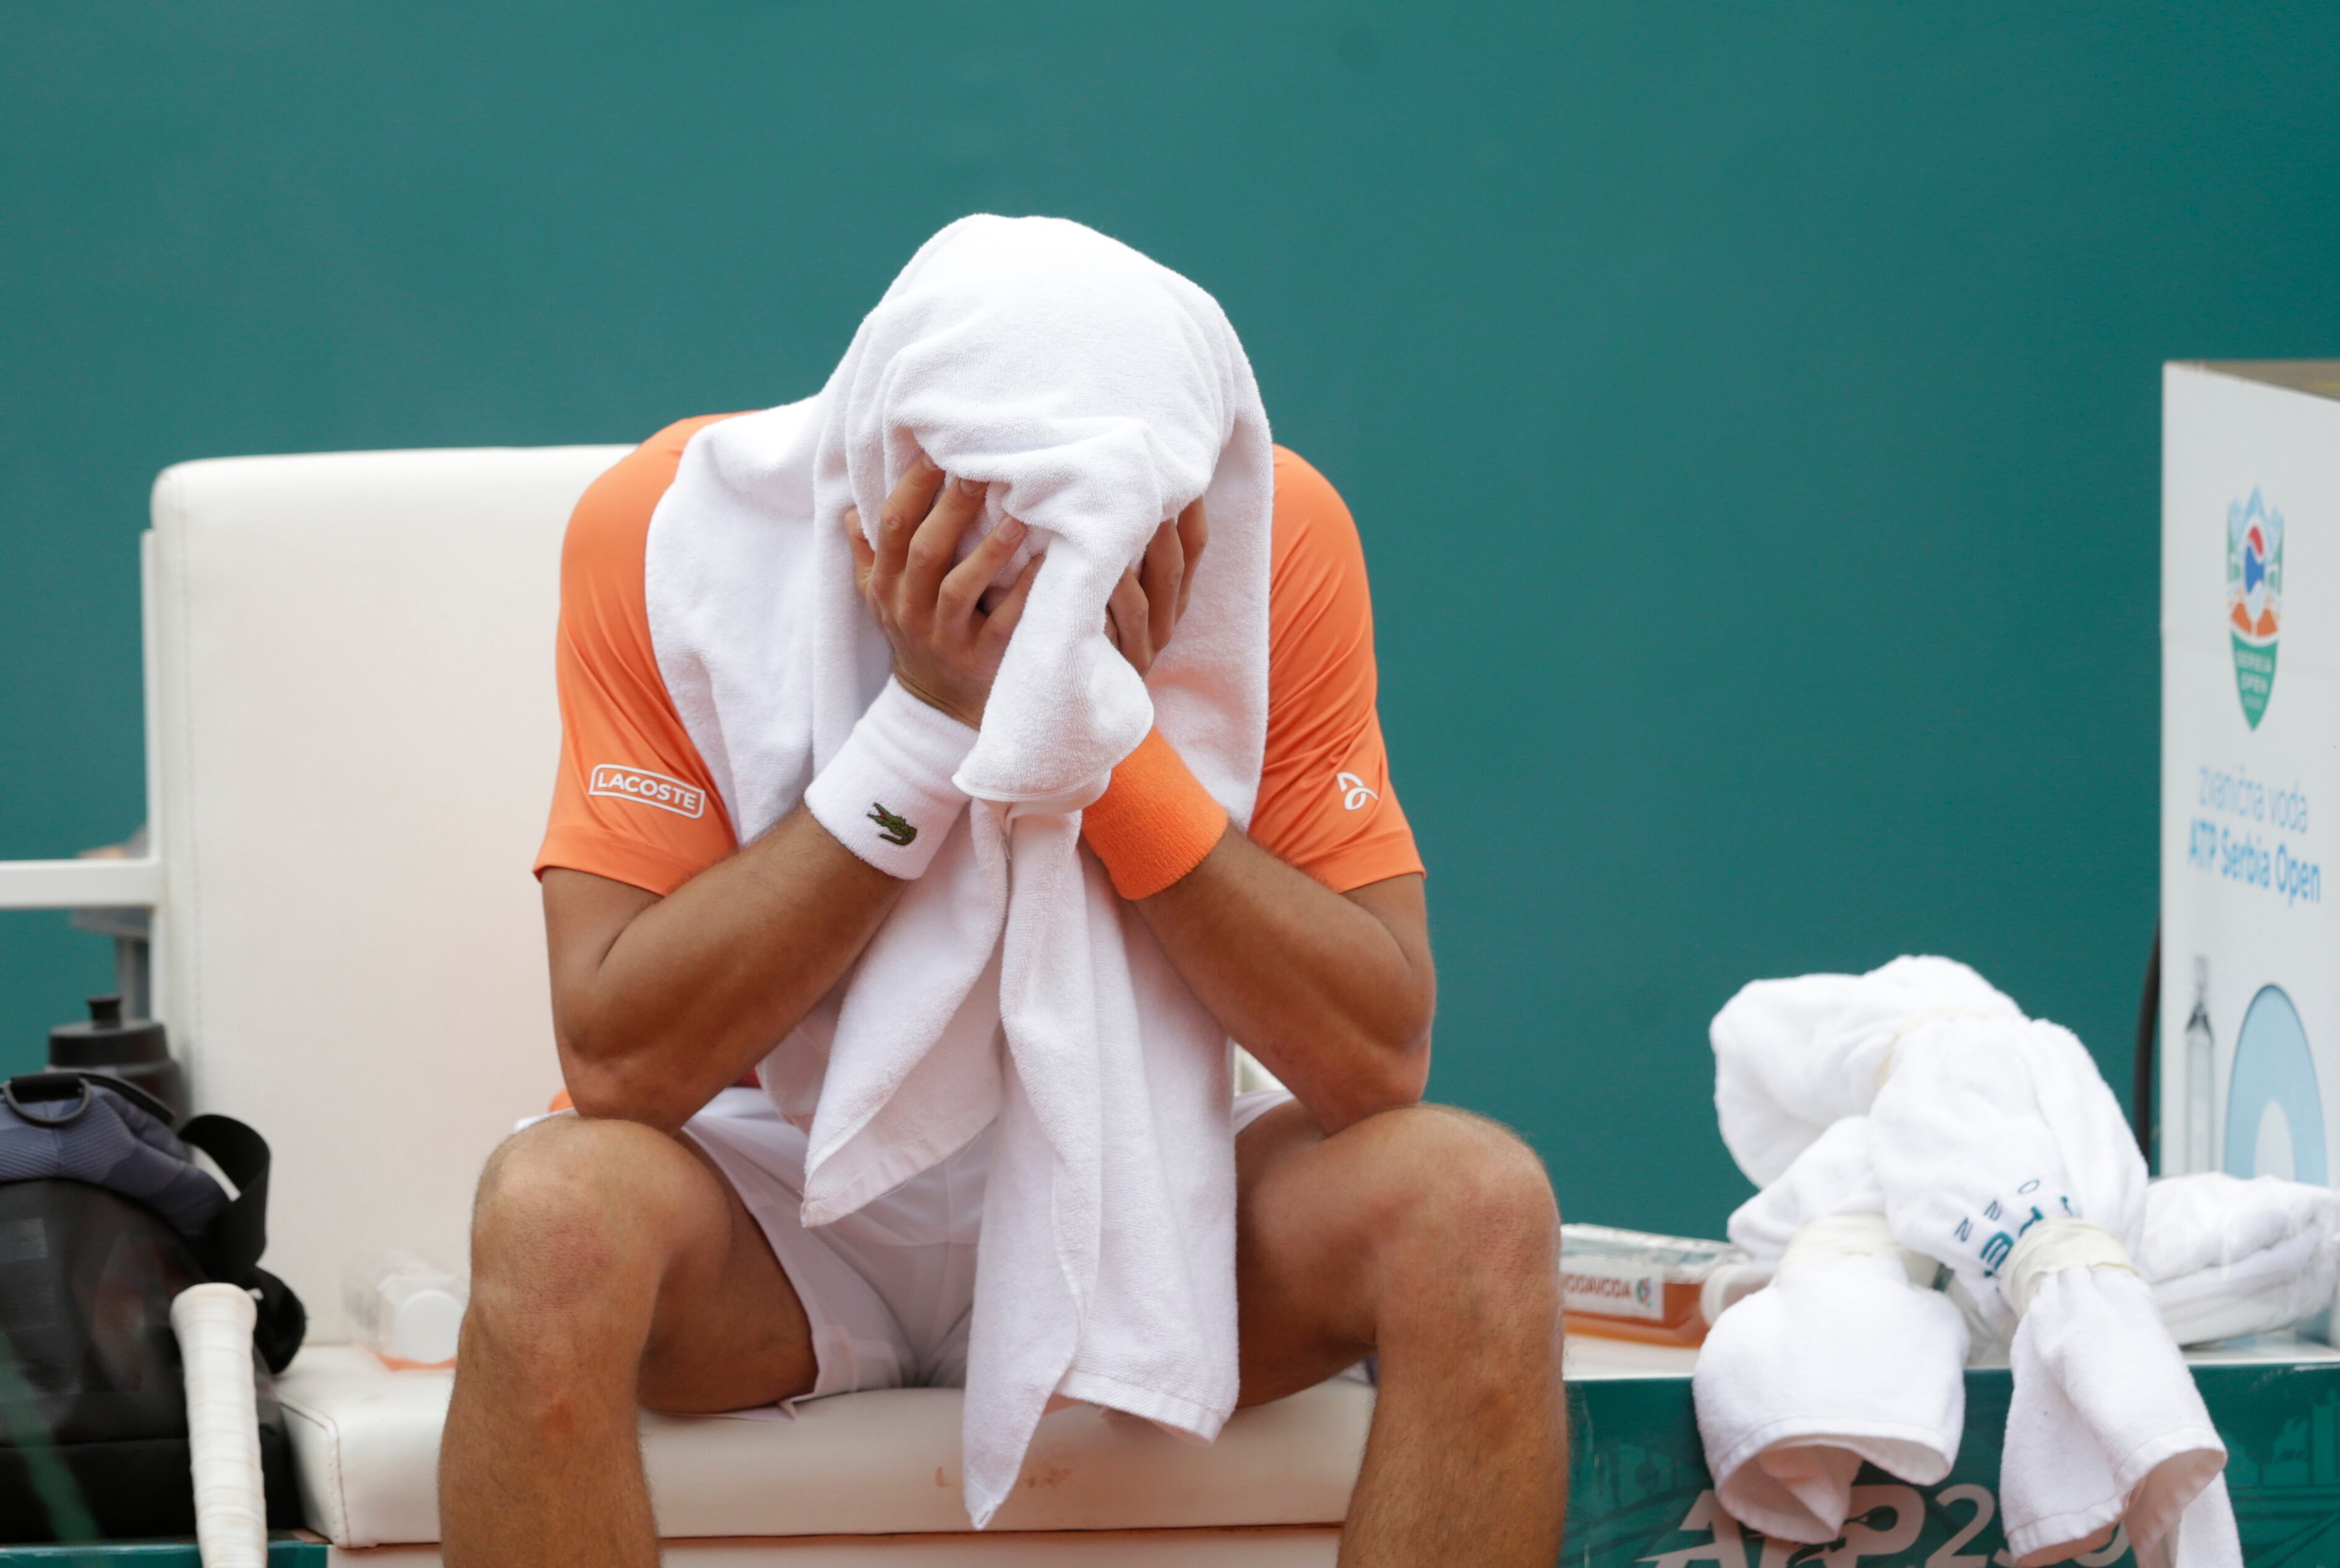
{"type": "Point", "coordinates": [1977, 1112]}
{"type": "Point", "coordinates": [1096, 394]}
{"type": "Point", "coordinates": [1791, 1056]}
{"type": "Point", "coordinates": [2003, 1154]}
{"type": "Point", "coordinates": [1847, 1355]}
{"type": "Point", "coordinates": [2227, 1257]}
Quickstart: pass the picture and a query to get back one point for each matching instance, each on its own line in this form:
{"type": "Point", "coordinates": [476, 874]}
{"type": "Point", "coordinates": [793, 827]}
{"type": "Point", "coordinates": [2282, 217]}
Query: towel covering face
{"type": "Point", "coordinates": [1095, 393]}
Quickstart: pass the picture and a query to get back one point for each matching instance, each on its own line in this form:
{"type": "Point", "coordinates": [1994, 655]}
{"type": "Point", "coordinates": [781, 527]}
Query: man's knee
{"type": "Point", "coordinates": [572, 1211]}
{"type": "Point", "coordinates": [1462, 1191]}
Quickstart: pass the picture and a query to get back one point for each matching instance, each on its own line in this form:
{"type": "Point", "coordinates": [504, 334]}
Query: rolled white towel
{"type": "Point", "coordinates": [2003, 1154]}
{"type": "Point", "coordinates": [1847, 1356]}
{"type": "Point", "coordinates": [2226, 1256]}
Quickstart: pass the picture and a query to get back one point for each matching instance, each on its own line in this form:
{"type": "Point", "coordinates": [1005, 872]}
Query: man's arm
{"type": "Point", "coordinates": [658, 1003]}
{"type": "Point", "coordinates": [1333, 992]}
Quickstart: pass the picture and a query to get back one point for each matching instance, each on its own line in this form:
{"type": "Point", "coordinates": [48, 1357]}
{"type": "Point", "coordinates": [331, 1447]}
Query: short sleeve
{"type": "Point", "coordinates": [633, 801]}
{"type": "Point", "coordinates": [1326, 803]}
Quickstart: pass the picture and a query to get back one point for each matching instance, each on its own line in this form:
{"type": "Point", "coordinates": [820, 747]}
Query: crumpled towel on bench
{"type": "Point", "coordinates": [1096, 394]}
{"type": "Point", "coordinates": [1847, 1356]}
{"type": "Point", "coordinates": [2001, 1153]}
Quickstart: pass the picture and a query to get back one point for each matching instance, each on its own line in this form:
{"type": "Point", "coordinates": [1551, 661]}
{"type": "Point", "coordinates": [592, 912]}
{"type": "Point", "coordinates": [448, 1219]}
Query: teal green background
{"type": "Point", "coordinates": [1752, 413]}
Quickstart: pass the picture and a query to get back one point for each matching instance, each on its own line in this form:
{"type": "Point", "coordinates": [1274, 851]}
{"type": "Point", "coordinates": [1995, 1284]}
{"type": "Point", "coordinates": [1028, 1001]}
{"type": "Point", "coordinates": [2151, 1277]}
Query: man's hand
{"type": "Point", "coordinates": [1147, 603]}
{"type": "Point", "coordinates": [948, 634]}
{"type": "Point", "coordinates": [948, 625]}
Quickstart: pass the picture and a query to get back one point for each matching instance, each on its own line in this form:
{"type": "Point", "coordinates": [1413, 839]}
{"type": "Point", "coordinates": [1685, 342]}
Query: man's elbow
{"type": "Point", "coordinates": [616, 1089]}
{"type": "Point", "coordinates": [1394, 1075]}
{"type": "Point", "coordinates": [1406, 1072]}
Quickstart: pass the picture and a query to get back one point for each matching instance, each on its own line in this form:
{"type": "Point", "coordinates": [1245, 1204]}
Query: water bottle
{"type": "Point", "coordinates": [406, 1312]}
{"type": "Point", "coordinates": [2201, 1078]}
{"type": "Point", "coordinates": [131, 1050]}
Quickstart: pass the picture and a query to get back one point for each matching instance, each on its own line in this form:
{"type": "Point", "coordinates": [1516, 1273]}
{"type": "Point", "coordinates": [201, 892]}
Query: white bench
{"type": "Point", "coordinates": [350, 740]}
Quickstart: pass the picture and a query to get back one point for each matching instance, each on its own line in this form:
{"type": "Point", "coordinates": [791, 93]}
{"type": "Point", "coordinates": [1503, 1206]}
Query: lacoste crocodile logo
{"type": "Point", "coordinates": [892, 829]}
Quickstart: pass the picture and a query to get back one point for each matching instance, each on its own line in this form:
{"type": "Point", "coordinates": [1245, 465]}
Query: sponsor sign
{"type": "Point", "coordinates": [1612, 1289]}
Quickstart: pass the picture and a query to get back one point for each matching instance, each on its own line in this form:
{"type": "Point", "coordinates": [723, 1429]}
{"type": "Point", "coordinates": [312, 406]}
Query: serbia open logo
{"type": "Point", "coordinates": [2254, 599]}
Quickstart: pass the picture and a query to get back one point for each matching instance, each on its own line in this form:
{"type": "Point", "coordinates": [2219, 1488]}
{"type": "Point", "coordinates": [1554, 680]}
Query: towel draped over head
{"type": "Point", "coordinates": [1095, 393]}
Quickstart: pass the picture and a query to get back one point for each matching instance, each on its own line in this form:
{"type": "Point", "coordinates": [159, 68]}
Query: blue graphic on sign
{"type": "Point", "coordinates": [2274, 1112]}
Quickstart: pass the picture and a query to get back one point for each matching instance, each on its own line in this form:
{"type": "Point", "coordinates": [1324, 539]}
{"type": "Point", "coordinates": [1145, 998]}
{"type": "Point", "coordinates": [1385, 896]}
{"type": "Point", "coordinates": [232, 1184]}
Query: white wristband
{"type": "Point", "coordinates": [888, 794]}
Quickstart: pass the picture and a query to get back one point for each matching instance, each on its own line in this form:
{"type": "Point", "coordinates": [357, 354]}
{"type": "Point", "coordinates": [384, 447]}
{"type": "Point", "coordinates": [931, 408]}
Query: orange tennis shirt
{"type": "Point", "coordinates": [633, 801]}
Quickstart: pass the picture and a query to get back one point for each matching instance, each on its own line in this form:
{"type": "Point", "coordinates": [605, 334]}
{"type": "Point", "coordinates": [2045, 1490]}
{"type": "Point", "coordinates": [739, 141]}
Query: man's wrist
{"type": "Point", "coordinates": [888, 794]}
{"type": "Point", "coordinates": [916, 689]}
{"type": "Point", "coordinates": [1155, 822]}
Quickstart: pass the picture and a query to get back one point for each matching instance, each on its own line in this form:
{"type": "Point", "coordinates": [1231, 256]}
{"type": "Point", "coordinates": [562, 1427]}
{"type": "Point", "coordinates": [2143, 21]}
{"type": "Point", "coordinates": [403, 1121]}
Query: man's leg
{"type": "Point", "coordinates": [1428, 1237]}
{"type": "Point", "coordinates": [611, 1267]}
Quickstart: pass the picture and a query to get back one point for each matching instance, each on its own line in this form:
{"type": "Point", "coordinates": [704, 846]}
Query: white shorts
{"type": "Point", "coordinates": [888, 1290]}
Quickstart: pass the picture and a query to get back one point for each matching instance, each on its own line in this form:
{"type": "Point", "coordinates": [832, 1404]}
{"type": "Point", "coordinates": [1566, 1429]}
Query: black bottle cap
{"type": "Point", "coordinates": [108, 1039]}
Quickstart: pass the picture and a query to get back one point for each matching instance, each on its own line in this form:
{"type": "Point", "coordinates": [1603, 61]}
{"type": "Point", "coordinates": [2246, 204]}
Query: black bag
{"type": "Point", "coordinates": [104, 1220]}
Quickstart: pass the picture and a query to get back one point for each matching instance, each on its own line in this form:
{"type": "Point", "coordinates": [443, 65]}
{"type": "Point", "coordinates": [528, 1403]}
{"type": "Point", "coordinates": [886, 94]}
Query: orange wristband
{"type": "Point", "coordinates": [1155, 822]}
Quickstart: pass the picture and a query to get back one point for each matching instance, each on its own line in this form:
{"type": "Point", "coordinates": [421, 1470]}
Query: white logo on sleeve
{"type": "Point", "coordinates": [647, 788]}
{"type": "Point", "coordinates": [1357, 795]}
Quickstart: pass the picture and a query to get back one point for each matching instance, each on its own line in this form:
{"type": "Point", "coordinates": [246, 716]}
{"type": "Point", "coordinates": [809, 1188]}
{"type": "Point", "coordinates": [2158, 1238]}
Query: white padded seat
{"type": "Point", "coordinates": [366, 1444]}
